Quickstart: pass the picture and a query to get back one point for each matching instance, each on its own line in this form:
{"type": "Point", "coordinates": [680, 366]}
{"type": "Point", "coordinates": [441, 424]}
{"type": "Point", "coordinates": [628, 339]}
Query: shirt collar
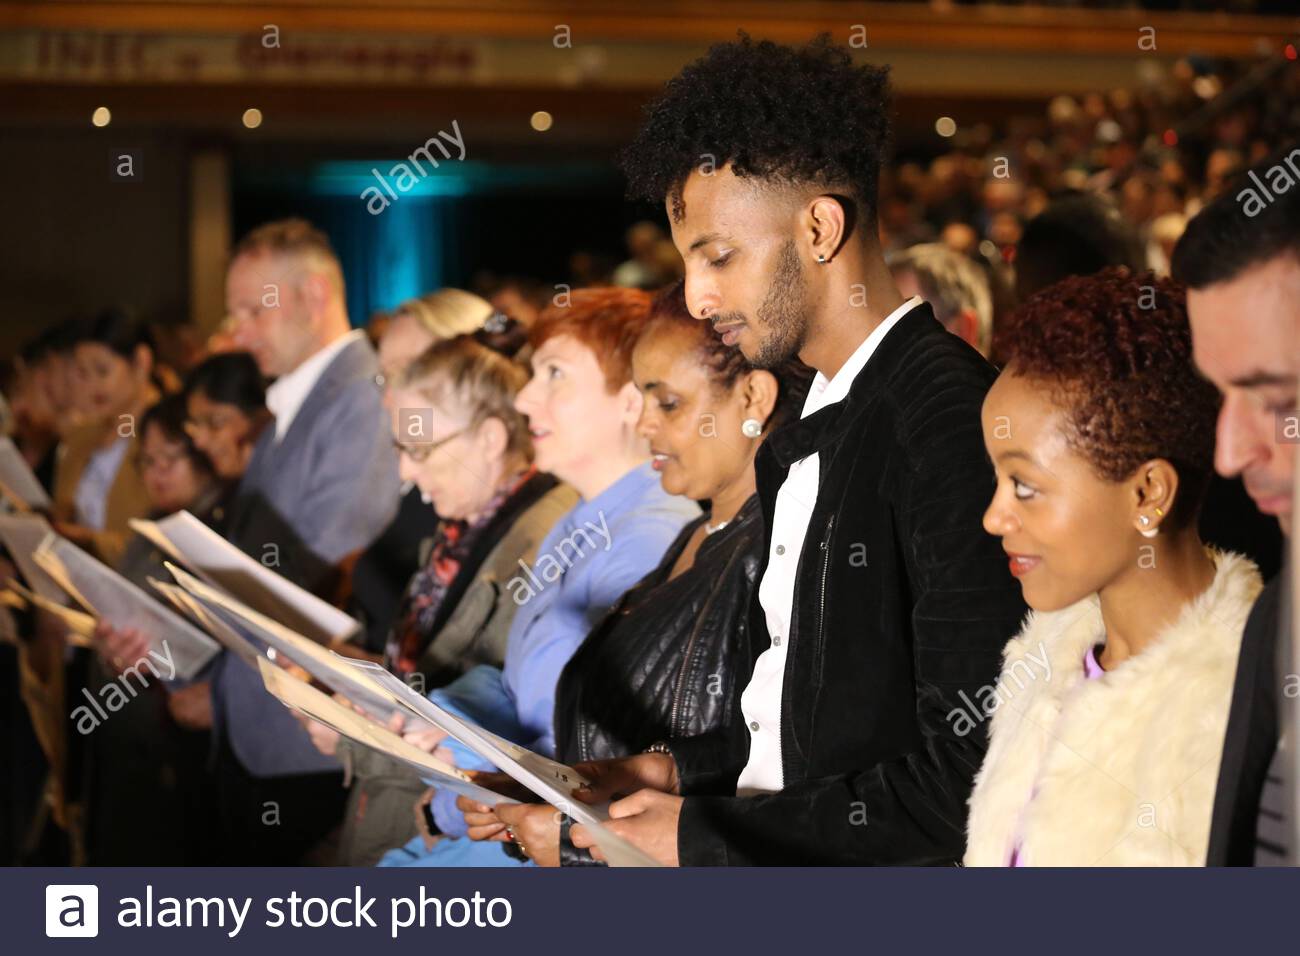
{"type": "Point", "coordinates": [825, 391]}
{"type": "Point", "coordinates": [285, 397]}
{"type": "Point", "coordinates": [614, 498]}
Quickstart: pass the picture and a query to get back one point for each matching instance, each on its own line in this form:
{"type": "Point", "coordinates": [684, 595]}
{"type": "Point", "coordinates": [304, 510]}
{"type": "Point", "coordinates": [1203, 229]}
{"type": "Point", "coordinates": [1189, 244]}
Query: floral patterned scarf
{"type": "Point", "coordinates": [452, 544]}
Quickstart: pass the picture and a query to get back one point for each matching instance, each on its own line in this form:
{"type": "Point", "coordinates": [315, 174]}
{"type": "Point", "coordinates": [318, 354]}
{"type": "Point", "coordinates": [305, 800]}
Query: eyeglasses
{"type": "Point", "coordinates": [167, 461]}
{"type": "Point", "coordinates": [210, 423]}
{"type": "Point", "coordinates": [421, 452]}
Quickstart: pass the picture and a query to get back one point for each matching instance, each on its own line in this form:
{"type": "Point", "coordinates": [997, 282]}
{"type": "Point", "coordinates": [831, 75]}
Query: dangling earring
{"type": "Point", "coordinates": [1149, 532]}
{"type": "Point", "coordinates": [751, 428]}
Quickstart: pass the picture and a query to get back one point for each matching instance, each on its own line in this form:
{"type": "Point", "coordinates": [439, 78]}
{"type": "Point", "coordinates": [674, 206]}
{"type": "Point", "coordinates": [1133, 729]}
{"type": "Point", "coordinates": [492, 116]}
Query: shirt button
{"type": "Point", "coordinates": [753, 725]}
{"type": "Point", "coordinates": [780, 549]}
{"type": "Point", "coordinates": [776, 641]}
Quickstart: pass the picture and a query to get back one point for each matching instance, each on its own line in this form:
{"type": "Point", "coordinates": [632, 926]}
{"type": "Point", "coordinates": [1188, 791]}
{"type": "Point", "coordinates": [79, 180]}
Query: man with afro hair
{"type": "Point", "coordinates": [883, 605]}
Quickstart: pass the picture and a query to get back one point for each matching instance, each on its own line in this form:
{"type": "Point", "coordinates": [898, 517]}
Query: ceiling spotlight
{"type": "Point", "coordinates": [252, 118]}
{"type": "Point", "coordinates": [945, 126]}
{"type": "Point", "coordinates": [101, 116]}
{"type": "Point", "coordinates": [541, 121]}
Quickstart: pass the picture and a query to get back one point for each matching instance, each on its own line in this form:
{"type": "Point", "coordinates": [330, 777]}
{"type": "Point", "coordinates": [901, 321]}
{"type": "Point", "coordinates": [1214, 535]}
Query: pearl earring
{"type": "Point", "coordinates": [1147, 532]}
{"type": "Point", "coordinates": [751, 428]}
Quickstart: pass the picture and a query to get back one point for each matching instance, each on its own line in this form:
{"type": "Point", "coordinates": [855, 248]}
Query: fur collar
{"type": "Point", "coordinates": [1121, 769]}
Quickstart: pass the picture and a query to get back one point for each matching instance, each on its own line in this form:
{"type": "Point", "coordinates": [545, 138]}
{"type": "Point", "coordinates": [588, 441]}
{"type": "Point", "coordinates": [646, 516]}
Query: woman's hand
{"type": "Point", "coordinates": [535, 828]}
{"type": "Point", "coordinates": [481, 818]}
{"type": "Point", "coordinates": [426, 738]}
{"type": "Point", "coordinates": [119, 650]}
{"type": "Point", "coordinates": [325, 739]}
{"type": "Point", "coordinates": [191, 707]}
{"type": "Point", "coordinates": [621, 776]}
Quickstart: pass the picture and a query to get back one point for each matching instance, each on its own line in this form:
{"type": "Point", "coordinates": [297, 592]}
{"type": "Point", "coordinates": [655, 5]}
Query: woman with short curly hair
{"type": "Point", "coordinates": [1109, 714]}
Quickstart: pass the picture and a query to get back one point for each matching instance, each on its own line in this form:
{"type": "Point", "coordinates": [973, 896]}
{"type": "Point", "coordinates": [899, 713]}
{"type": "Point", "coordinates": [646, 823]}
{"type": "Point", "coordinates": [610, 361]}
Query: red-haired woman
{"type": "Point", "coordinates": [1109, 715]}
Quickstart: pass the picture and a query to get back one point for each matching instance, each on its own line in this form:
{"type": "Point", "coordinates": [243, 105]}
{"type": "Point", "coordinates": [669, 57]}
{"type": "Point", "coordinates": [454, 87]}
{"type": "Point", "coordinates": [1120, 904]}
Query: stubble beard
{"type": "Point", "coordinates": [782, 315]}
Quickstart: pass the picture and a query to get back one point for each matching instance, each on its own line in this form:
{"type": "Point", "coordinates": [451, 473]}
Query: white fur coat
{"type": "Point", "coordinates": [1122, 768]}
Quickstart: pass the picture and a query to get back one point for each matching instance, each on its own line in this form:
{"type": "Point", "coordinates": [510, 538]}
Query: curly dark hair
{"type": "Point", "coordinates": [725, 363]}
{"type": "Point", "coordinates": [1116, 350]}
{"type": "Point", "coordinates": [790, 115]}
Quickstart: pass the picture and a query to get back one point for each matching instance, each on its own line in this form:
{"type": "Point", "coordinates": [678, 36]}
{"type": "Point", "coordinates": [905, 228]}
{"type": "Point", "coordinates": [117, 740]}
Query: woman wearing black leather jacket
{"type": "Point", "coordinates": [668, 661]}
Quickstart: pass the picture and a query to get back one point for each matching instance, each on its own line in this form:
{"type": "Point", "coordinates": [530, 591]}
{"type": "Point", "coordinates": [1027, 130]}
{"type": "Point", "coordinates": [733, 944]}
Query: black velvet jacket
{"type": "Point", "coordinates": [902, 603]}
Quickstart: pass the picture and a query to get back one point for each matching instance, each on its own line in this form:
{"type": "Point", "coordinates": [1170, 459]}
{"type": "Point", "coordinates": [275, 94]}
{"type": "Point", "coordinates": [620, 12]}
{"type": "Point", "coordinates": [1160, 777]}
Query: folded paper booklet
{"type": "Point", "coordinates": [22, 535]}
{"type": "Point", "coordinates": [17, 482]}
{"type": "Point", "coordinates": [190, 606]}
{"type": "Point", "coordinates": [110, 597]}
{"type": "Point", "coordinates": [81, 627]}
{"type": "Point", "coordinates": [380, 693]}
{"type": "Point", "coordinates": [216, 561]}
{"type": "Point", "coordinates": [419, 706]}
{"type": "Point", "coordinates": [552, 781]}
{"type": "Point", "coordinates": [322, 664]}
{"type": "Point", "coordinates": [300, 696]}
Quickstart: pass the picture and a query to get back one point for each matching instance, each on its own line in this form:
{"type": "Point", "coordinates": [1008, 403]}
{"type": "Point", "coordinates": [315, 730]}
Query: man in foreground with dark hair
{"type": "Point", "coordinates": [1240, 261]}
{"type": "Point", "coordinates": [883, 605]}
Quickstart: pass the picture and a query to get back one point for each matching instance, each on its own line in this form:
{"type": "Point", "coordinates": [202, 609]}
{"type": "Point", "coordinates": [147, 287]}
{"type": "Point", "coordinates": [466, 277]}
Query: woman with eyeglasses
{"type": "Point", "coordinates": [149, 756]}
{"type": "Point", "coordinates": [378, 578]}
{"type": "Point", "coordinates": [226, 403]}
{"type": "Point", "coordinates": [467, 450]}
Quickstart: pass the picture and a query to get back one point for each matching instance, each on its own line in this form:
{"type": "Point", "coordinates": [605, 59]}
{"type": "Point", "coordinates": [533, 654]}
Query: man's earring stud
{"type": "Point", "coordinates": [821, 259]}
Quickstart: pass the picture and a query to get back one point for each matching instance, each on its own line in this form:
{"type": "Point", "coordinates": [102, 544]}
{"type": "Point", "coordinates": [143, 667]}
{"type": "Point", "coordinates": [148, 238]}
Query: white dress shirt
{"type": "Point", "coordinates": [761, 701]}
{"type": "Point", "coordinates": [285, 396]}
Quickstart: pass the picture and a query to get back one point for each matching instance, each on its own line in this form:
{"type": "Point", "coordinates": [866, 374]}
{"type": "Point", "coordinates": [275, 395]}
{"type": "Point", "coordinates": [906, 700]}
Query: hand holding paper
{"type": "Point", "coordinates": [110, 597]}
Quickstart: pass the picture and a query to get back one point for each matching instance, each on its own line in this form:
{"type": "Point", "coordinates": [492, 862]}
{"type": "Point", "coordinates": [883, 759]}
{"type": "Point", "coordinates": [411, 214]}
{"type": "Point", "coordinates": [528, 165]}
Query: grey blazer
{"type": "Point", "coordinates": [326, 490]}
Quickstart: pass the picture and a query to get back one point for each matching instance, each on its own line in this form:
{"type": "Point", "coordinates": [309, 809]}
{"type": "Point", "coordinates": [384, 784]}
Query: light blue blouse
{"type": "Point", "coordinates": [588, 560]}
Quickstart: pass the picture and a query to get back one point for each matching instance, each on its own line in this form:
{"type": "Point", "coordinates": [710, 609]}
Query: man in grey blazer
{"type": "Point", "coordinates": [321, 485]}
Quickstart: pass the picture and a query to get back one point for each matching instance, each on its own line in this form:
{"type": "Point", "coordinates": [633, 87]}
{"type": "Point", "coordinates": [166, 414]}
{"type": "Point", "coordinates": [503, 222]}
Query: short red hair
{"type": "Point", "coordinates": [606, 319]}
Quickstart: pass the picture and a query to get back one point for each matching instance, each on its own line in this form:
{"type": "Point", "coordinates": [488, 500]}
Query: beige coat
{"type": "Point", "coordinates": [1119, 770]}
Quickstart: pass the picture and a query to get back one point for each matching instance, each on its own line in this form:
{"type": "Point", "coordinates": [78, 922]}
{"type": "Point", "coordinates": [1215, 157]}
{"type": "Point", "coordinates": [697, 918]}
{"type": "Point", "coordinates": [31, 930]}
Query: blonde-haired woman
{"type": "Point", "coordinates": [468, 451]}
{"type": "Point", "coordinates": [418, 323]}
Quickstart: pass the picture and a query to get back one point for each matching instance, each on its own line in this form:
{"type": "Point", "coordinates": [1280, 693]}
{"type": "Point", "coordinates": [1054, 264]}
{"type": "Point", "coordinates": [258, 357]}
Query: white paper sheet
{"type": "Point", "coordinates": [301, 696]}
{"type": "Point", "coordinates": [227, 636]}
{"type": "Point", "coordinates": [323, 665]}
{"type": "Point", "coordinates": [17, 482]}
{"type": "Point", "coordinates": [110, 597]}
{"type": "Point", "coordinates": [216, 561]}
{"type": "Point", "coordinates": [552, 781]}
